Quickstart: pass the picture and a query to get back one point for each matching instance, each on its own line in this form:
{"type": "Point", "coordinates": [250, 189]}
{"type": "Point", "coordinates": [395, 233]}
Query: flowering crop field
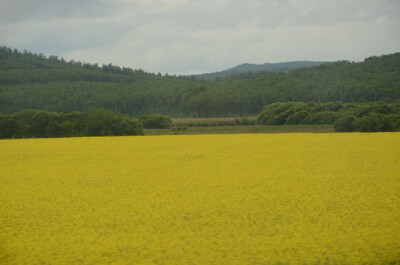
{"type": "Point", "coordinates": [201, 199]}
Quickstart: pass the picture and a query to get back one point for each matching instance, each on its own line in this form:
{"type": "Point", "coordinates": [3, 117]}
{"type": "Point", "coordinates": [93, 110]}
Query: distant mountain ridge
{"type": "Point", "coordinates": [256, 68]}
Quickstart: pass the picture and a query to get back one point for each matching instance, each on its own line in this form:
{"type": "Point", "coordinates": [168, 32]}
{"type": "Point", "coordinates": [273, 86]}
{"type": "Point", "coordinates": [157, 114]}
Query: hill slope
{"type": "Point", "coordinates": [256, 68]}
{"type": "Point", "coordinates": [31, 81]}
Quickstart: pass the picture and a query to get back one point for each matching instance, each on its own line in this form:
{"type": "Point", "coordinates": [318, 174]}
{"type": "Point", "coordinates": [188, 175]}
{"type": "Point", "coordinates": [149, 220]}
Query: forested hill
{"type": "Point", "coordinates": [25, 67]}
{"type": "Point", "coordinates": [32, 81]}
{"type": "Point", "coordinates": [256, 68]}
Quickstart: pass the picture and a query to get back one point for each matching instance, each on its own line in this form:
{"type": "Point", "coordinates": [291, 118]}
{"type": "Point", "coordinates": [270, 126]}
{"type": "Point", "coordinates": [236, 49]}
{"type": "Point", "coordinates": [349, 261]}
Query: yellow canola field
{"type": "Point", "coordinates": [205, 199]}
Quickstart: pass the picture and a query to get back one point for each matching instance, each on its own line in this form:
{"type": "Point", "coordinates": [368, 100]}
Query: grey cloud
{"type": "Point", "coordinates": [60, 36]}
{"type": "Point", "coordinates": [186, 36]}
{"type": "Point", "coordinates": [42, 10]}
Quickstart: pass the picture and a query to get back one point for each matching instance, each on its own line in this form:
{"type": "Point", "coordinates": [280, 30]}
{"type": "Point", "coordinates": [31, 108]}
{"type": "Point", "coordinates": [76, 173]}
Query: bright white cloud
{"type": "Point", "coordinates": [188, 36]}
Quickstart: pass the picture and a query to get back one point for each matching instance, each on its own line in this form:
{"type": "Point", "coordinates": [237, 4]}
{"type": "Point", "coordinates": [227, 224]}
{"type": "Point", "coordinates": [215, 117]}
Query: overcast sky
{"type": "Point", "coordinates": [188, 36]}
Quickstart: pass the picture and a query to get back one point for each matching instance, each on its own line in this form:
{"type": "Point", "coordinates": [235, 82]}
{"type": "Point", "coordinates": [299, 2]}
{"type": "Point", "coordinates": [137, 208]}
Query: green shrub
{"type": "Point", "coordinates": [95, 122]}
{"type": "Point", "coordinates": [345, 124]}
{"type": "Point", "coordinates": [156, 121]}
{"type": "Point", "coordinates": [376, 122]}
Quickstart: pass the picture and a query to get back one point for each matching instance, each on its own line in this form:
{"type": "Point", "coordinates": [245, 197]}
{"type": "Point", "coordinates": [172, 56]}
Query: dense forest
{"type": "Point", "coordinates": [34, 81]}
{"type": "Point", "coordinates": [256, 68]}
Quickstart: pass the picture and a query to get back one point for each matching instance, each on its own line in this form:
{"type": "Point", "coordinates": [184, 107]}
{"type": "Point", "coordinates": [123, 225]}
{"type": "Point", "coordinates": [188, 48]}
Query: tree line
{"type": "Point", "coordinates": [364, 117]}
{"type": "Point", "coordinates": [346, 117]}
{"type": "Point", "coordinates": [94, 122]}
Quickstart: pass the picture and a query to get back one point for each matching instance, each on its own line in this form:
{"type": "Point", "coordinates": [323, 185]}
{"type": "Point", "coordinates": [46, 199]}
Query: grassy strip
{"type": "Point", "coordinates": [244, 129]}
{"type": "Point", "coordinates": [227, 121]}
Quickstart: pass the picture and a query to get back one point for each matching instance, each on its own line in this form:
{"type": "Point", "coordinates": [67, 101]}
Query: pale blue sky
{"type": "Point", "coordinates": [187, 36]}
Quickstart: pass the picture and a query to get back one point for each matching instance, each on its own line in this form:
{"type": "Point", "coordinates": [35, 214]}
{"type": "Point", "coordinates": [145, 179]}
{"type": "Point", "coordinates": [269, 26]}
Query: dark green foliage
{"type": "Point", "coordinates": [299, 117]}
{"type": "Point", "coordinates": [105, 122]}
{"type": "Point", "coordinates": [365, 117]}
{"type": "Point", "coordinates": [277, 113]}
{"type": "Point", "coordinates": [321, 117]}
{"type": "Point", "coordinates": [156, 121]}
{"type": "Point", "coordinates": [345, 124]}
{"type": "Point", "coordinates": [376, 122]}
{"type": "Point", "coordinates": [95, 122]}
{"type": "Point", "coordinates": [31, 81]}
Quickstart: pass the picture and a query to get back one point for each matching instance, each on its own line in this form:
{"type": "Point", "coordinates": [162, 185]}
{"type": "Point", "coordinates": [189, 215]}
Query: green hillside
{"type": "Point", "coordinates": [34, 81]}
